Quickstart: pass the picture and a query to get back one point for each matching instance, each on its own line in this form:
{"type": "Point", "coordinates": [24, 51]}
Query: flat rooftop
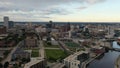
{"type": "Point", "coordinates": [3, 35]}
{"type": "Point", "coordinates": [73, 57]}
{"type": "Point", "coordinates": [33, 61]}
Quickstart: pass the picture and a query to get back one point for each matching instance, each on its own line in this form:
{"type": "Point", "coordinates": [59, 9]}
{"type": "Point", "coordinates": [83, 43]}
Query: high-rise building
{"type": "Point", "coordinates": [10, 24]}
{"type": "Point", "coordinates": [49, 26]}
{"type": "Point", "coordinates": [6, 20]}
{"type": "Point", "coordinates": [49, 29]}
{"type": "Point", "coordinates": [68, 26]}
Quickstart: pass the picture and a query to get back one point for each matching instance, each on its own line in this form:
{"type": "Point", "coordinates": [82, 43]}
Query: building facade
{"type": "Point", "coordinates": [10, 24]}
{"type": "Point", "coordinates": [74, 60]}
{"type": "Point", "coordinates": [6, 20]}
{"type": "Point", "coordinates": [3, 30]}
{"type": "Point", "coordinates": [31, 42]}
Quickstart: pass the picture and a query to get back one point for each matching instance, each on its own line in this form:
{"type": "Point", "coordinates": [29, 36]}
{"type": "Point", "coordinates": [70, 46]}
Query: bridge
{"type": "Point", "coordinates": [115, 49]}
{"type": "Point", "coordinates": [111, 39]}
{"type": "Point", "coordinates": [110, 48]}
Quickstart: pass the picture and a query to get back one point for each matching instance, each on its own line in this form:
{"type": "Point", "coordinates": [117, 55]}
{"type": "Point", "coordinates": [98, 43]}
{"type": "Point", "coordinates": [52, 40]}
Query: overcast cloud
{"type": "Point", "coordinates": [39, 10]}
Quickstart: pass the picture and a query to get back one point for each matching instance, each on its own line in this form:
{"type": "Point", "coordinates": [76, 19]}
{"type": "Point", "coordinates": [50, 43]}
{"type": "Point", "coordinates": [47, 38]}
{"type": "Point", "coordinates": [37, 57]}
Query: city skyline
{"type": "Point", "coordinates": [61, 11]}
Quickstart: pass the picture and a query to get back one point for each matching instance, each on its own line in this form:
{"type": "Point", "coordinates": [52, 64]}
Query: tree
{"type": "Point", "coordinates": [6, 64]}
{"type": "Point", "coordinates": [23, 60]}
{"type": "Point", "coordinates": [6, 53]}
{"type": "Point", "coordinates": [1, 65]}
{"type": "Point", "coordinates": [16, 66]}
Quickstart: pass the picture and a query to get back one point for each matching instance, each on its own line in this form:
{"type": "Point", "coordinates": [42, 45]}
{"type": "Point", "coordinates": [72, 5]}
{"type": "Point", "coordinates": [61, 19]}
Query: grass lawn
{"type": "Point", "coordinates": [35, 53]}
{"type": "Point", "coordinates": [71, 44]}
{"type": "Point", "coordinates": [54, 54]}
{"type": "Point", "coordinates": [48, 44]}
{"type": "Point", "coordinates": [36, 48]}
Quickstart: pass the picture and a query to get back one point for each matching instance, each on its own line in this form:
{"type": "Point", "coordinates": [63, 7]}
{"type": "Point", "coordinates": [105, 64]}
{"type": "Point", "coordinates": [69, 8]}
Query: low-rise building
{"type": "Point", "coordinates": [11, 44]}
{"type": "Point", "coordinates": [30, 42]}
{"type": "Point", "coordinates": [20, 54]}
{"type": "Point", "coordinates": [97, 49]}
{"type": "Point", "coordinates": [3, 30]}
{"type": "Point", "coordinates": [2, 43]}
{"type": "Point", "coordinates": [58, 65]}
{"type": "Point", "coordinates": [73, 61]}
{"type": "Point", "coordinates": [36, 63]}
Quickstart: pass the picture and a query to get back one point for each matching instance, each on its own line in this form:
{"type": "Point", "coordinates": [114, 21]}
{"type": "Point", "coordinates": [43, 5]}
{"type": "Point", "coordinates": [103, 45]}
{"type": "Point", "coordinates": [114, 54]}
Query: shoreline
{"type": "Point", "coordinates": [117, 62]}
{"type": "Point", "coordinates": [86, 63]}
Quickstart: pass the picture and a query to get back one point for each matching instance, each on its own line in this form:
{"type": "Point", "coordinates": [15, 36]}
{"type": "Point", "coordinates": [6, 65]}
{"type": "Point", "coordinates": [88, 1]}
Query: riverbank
{"type": "Point", "coordinates": [117, 63]}
{"type": "Point", "coordinates": [106, 60]}
{"type": "Point", "coordinates": [84, 64]}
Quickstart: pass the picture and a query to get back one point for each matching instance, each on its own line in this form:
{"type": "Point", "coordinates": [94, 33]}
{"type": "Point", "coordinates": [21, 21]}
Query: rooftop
{"type": "Point", "coordinates": [33, 61]}
{"type": "Point", "coordinates": [3, 35]}
{"type": "Point", "coordinates": [73, 57]}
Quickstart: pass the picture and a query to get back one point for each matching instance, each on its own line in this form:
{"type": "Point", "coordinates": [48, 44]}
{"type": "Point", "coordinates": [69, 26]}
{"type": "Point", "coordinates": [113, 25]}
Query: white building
{"type": "Point", "coordinates": [40, 29]}
{"type": "Point", "coordinates": [72, 61]}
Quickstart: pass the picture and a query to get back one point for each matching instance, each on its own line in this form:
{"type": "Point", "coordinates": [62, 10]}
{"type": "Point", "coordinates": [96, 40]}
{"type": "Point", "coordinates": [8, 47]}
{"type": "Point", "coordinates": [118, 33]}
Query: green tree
{"type": "Point", "coordinates": [1, 65]}
{"type": "Point", "coordinates": [6, 64]}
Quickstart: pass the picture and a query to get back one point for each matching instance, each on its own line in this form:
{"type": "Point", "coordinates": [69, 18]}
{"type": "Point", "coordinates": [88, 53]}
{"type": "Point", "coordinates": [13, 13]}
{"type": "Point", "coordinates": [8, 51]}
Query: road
{"type": "Point", "coordinates": [8, 58]}
{"type": "Point", "coordinates": [64, 46]}
{"type": "Point", "coordinates": [8, 48]}
{"type": "Point", "coordinates": [52, 48]}
{"type": "Point", "coordinates": [39, 59]}
{"type": "Point", "coordinates": [41, 51]}
{"type": "Point", "coordinates": [41, 46]}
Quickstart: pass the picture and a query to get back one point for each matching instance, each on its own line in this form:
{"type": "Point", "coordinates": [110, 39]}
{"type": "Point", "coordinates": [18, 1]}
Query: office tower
{"type": "Point", "coordinates": [70, 34]}
{"type": "Point", "coordinates": [6, 20]}
{"type": "Point", "coordinates": [49, 29]}
{"type": "Point", "coordinates": [68, 26]}
{"type": "Point", "coordinates": [10, 24]}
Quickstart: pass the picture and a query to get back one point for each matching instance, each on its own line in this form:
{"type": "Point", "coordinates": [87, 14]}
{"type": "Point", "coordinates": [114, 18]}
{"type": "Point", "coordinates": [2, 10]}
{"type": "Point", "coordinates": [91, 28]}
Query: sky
{"type": "Point", "coordinates": [61, 10]}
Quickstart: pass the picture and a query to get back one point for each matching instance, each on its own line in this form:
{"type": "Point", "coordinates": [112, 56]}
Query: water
{"type": "Point", "coordinates": [106, 60]}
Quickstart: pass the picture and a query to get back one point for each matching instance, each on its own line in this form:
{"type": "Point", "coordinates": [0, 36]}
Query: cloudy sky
{"type": "Point", "coordinates": [61, 10]}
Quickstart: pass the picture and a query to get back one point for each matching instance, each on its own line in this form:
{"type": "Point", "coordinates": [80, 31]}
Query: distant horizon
{"type": "Point", "coordinates": [56, 22]}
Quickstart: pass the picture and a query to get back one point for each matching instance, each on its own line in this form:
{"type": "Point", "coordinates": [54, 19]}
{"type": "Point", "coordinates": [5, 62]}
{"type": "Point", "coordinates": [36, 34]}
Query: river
{"type": "Point", "coordinates": [106, 60]}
